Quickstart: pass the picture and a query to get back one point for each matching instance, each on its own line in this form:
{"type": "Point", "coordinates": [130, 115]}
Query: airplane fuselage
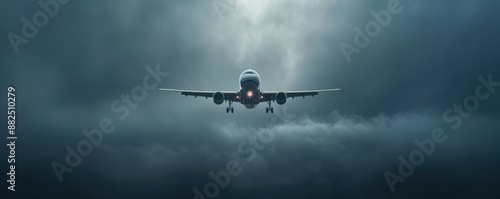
{"type": "Point", "coordinates": [249, 93]}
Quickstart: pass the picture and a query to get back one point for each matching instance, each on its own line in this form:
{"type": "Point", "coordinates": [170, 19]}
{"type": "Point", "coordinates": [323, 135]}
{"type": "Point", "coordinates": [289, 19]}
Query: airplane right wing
{"type": "Point", "coordinates": [226, 95]}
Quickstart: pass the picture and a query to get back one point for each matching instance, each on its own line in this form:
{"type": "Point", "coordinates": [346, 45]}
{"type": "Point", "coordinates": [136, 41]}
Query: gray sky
{"type": "Point", "coordinates": [335, 145]}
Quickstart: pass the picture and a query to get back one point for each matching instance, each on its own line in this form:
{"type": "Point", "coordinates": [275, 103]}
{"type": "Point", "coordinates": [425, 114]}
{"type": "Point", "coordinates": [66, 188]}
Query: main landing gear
{"type": "Point", "coordinates": [270, 108]}
{"type": "Point", "coordinates": [230, 108]}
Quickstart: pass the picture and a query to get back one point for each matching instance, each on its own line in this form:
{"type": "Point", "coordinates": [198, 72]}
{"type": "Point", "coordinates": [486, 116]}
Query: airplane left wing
{"type": "Point", "coordinates": [228, 95]}
{"type": "Point", "coordinates": [270, 96]}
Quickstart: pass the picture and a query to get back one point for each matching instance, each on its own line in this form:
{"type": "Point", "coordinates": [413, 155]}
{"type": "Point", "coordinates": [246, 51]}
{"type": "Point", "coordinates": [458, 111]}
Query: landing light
{"type": "Point", "coordinates": [250, 93]}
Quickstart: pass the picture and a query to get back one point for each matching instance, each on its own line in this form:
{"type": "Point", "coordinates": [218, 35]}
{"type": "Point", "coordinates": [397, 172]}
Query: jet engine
{"type": "Point", "coordinates": [281, 98]}
{"type": "Point", "coordinates": [218, 98]}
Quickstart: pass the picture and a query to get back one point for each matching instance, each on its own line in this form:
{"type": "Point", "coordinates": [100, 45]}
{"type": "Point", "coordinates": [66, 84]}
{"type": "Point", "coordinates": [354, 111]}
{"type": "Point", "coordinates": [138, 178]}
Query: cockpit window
{"type": "Point", "coordinates": [249, 72]}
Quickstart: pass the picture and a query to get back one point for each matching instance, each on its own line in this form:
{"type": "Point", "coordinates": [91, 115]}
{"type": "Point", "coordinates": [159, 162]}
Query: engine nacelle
{"type": "Point", "coordinates": [281, 98]}
{"type": "Point", "coordinates": [218, 98]}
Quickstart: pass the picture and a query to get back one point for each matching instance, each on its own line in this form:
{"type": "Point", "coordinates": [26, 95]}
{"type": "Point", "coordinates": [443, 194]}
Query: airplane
{"type": "Point", "coordinates": [249, 94]}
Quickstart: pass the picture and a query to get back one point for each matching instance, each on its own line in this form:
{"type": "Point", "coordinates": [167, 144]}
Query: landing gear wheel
{"type": "Point", "coordinates": [230, 108]}
{"type": "Point", "coordinates": [269, 108]}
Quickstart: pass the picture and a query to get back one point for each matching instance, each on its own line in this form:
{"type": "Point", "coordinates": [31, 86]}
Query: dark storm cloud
{"type": "Point", "coordinates": [338, 145]}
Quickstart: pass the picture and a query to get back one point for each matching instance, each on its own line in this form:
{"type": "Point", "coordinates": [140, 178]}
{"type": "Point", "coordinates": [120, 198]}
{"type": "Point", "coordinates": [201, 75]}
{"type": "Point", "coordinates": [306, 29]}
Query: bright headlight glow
{"type": "Point", "coordinates": [249, 93]}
